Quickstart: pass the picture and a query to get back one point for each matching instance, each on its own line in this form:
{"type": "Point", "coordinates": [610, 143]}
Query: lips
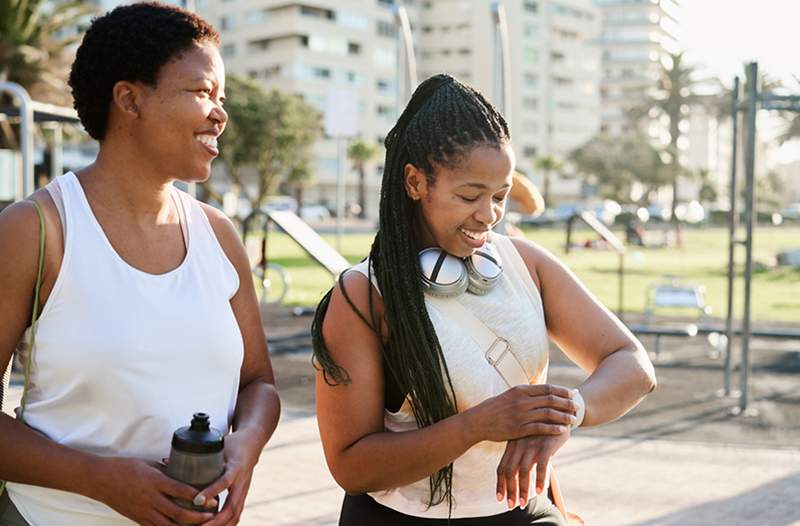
{"type": "Point", "coordinates": [209, 142]}
{"type": "Point", "coordinates": [474, 238]}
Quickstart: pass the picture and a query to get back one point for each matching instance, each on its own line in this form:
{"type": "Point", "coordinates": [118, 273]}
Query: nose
{"type": "Point", "coordinates": [218, 114]}
{"type": "Point", "coordinates": [489, 212]}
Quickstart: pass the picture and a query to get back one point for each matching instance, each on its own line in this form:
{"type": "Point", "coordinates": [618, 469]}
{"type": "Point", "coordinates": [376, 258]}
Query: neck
{"type": "Point", "coordinates": [123, 181]}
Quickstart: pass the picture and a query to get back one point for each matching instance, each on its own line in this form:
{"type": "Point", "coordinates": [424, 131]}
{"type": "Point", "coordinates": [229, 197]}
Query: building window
{"type": "Point", "coordinates": [386, 29]}
{"type": "Point", "coordinates": [530, 103]}
{"type": "Point", "coordinates": [531, 80]}
{"type": "Point", "coordinates": [530, 6]}
{"type": "Point", "coordinates": [529, 151]}
{"type": "Point", "coordinates": [464, 51]}
{"type": "Point", "coordinates": [255, 17]}
{"type": "Point", "coordinates": [227, 23]}
{"type": "Point", "coordinates": [385, 111]}
{"type": "Point", "coordinates": [352, 20]}
{"type": "Point", "coordinates": [316, 12]}
{"type": "Point", "coordinates": [353, 48]}
{"type": "Point", "coordinates": [384, 86]}
{"type": "Point", "coordinates": [228, 50]}
{"type": "Point", "coordinates": [321, 73]}
{"type": "Point", "coordinates": [530, 55]}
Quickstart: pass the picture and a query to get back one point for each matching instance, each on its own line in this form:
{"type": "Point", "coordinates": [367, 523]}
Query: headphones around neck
{"type": "Point", "coordinates": [446, 276]}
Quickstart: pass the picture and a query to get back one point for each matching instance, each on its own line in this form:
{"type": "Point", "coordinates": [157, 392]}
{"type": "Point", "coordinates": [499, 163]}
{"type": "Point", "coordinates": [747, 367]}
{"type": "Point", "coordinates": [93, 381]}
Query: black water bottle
{"type": "Point", "coordinates": [197, 457]}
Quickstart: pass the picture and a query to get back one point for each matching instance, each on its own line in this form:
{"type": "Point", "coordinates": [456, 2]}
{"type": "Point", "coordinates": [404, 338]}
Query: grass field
{"type": "Point", "coordinates": [702, 260]}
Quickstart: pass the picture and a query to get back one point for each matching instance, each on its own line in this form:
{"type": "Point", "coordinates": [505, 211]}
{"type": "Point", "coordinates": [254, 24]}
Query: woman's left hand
{"type": "Point", "coordinates": [518, 460]}
{"type": "Point", "coordinates": [241, 455]}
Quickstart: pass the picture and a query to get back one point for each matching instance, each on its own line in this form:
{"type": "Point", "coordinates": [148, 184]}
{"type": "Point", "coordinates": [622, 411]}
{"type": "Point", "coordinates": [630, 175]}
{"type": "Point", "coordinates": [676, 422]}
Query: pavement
{"type": "Point", "coordinates": [683, 457]}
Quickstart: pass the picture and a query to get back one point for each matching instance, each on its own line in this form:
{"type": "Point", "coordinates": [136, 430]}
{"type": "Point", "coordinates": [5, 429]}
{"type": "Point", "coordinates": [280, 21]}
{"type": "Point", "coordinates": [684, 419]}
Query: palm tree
{"type": "Point", "coordinates": [360, 152]}
{"type": "Point", "coordinates": [547, 164]}
{"type": "Point", "coordinates": [673, 97]}
{"type": "Point", "coordinates": [792, 130]}
{"type": "Point", "coordinates": [34, 48]}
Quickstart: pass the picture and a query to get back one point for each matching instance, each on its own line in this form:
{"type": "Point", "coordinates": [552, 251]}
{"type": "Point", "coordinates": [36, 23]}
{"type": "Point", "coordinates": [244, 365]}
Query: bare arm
{"type": "Point", "coordinates": [620, 372]}
{"type": "Point", "coordinates": [258, 405]}
{"type": "Point", "coordinates": [361, 455]}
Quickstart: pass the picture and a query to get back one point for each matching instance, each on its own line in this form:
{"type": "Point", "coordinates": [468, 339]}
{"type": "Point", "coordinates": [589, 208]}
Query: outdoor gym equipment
{"type": "Point", "coordinates": [755, 100]}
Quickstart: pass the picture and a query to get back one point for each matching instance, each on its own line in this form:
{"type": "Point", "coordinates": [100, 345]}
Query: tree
{"type": "Point", "coordinates": [33, 48]}
{"type": "Point", "coordinates": [792, 130]}
{"type": "Point", "coordinates": [672, 97]}
{"type": "Point", "coordinates": [360, 152]}
{"type": "Point", "coordinates": [708, 190]}
{"type": "Point", "coordinates": [547, 164]}
{"type": "Point", "coordinates": [298, 179]}
{"type": "Point", "coordinates": [617, 163]}
{"type": "Point", "coordinates": [271, 131]}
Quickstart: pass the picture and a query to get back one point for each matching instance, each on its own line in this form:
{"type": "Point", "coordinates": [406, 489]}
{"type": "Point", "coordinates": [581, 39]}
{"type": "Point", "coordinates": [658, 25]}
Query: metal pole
{"type": "Point", "coordinates": [56, 154]}
{"type": "Point", "coordinates": [407, 45]}
{"type": "Point", "coordinates": [502, 57]}
{"type": "Point", "coordinates": [26, 185]}
{"type": "Point", "coordinates": [620, 300]}
{"type": "Point", "coordinates": [339, 194]}
{"type": "Point", "coordinates": [732, 222]}
{"type": "Point", "coordinates": [750, 156]}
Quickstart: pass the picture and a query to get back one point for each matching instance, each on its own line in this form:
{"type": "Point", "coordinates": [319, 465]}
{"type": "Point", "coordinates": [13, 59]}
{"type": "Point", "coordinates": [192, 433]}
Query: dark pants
{"type": "Point", "coordinates": [363, 510]}
{"type": "Point", "coordinates": [9, 515]}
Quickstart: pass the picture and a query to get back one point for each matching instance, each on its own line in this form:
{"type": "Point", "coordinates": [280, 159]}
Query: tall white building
{"type": "Point", "coordinates": [554, 104]}
{"type": "Point", "coordinates": [637, 35]}
{"type": "Point", "coordinates": [311, 48]}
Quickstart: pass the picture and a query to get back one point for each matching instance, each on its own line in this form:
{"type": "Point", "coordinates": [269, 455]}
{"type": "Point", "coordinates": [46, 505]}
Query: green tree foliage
{"type": "Point", "coordinates": [617, 163]}
{"type": "Point", "coordinates": [673, 96]}
{"type": "Point", "coordinates": [708, 190]}
{"type": "Point", "coordinates": [34, 46]}
{"type": "Point", "coordinates": [548, 164]}
{"type": "Point", "coordinates": [360, 152]}
{"type": "Point", "coordinates": [271, 131]}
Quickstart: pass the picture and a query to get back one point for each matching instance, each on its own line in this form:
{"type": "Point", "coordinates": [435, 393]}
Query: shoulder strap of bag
{"type": "Point", "coordinates": [28, 356]}
{"type": "Point", "coordinates": [499, 354]}
{"type": "Point", "coordinates": [497, 350]}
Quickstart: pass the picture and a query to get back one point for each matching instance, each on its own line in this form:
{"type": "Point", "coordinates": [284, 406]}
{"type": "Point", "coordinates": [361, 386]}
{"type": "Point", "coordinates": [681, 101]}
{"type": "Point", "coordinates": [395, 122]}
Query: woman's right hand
{"type": "Point", "coordinates": [523, 410]}
{"type": "Point", "coordinates": [142, 492]}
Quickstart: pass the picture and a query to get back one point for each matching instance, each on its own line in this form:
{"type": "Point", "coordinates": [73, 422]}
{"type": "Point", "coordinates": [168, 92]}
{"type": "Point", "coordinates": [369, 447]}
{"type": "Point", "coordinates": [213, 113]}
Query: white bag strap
{"type": "Point", "coordinates": [497, 350]}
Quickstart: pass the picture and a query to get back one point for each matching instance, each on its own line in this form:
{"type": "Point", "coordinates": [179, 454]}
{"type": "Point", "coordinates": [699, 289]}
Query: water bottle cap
{"type": "Point", "coordinates": [198, 437]}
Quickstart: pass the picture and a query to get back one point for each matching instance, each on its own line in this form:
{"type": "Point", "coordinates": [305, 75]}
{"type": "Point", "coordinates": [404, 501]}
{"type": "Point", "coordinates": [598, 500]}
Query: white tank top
{"type": "Point", "coordinates": [124, 357]}
{"type": "Point", "coordinates": [513, 310]}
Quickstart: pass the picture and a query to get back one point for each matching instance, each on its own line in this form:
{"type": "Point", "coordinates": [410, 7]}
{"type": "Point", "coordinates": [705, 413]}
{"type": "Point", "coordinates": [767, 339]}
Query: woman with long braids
{"type": "Point", "coordinates": [421, 422]}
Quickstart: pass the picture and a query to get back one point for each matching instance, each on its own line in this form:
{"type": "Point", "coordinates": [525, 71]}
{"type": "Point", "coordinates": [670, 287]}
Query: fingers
{"type": "Point", "coordinates": [538, 390]}
{"type": "Point", "coordinates": [217, 487]}
{"type": "Point", "coordinates": [180, 515]}
{"type": "Point", "coordinates": [551, 416]}
{"type": "Point", "coordinates": [507, 472]}
{"type": "Point", "coordinates": [542, 428]}
{"type": "Point", "coordinates": [525, 466]}
{"type": "Point", "coordinates": [542, 473]}
{"type": "Point", "coordinates": [234, 505]}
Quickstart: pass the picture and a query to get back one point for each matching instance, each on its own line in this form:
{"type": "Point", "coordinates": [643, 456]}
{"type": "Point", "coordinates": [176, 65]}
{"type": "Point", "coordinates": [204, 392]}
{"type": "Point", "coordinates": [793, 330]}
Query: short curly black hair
{"type": "Point", "coordinates": [132, 42]}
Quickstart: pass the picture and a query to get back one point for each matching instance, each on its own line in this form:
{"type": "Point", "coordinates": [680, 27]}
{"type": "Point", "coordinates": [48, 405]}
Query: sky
{"type": "Point", "coordinates": [721, 35]}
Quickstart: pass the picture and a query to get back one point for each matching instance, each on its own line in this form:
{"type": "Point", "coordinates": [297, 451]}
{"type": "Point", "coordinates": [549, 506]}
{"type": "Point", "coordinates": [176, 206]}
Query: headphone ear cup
{"type": "Point", "coordinates": [442, 274]}
{"type": "Point", "coordinates": [484, 269]}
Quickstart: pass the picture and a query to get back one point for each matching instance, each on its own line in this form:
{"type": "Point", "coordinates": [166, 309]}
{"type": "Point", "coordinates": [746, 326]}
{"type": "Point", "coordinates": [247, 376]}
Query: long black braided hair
{"type": "Point", "coordinates": [444, 121]}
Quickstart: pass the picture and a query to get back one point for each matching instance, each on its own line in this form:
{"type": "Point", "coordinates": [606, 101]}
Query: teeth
{"type": "Point", "coordinates": [473, 235]}
{"type": "Point", "coordinates": [208, 140]}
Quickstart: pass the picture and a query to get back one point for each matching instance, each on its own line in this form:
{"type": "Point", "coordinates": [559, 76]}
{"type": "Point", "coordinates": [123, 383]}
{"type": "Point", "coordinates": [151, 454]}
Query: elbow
{"type": "Point", "coordinates": [352, 485]}
{"type": "Point", "coordinates": [649, 382]}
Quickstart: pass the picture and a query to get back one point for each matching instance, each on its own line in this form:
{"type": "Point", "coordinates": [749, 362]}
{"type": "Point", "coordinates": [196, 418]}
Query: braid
{"type": "Point", "coordinates": [443, 121]}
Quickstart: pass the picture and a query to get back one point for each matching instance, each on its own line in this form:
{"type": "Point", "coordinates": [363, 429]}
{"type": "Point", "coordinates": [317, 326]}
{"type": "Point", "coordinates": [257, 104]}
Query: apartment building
{"type": "Point", "coordinates": [637, 35]}
{"type": "Point", "coordinates": [554, 101]}
{"type": "Point", "coordinates": [311, 48]}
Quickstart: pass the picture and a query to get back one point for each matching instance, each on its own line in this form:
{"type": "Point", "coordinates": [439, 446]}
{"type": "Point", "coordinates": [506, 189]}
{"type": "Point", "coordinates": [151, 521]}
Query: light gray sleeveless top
{"type": "Point", "coordinates": [513, 310]}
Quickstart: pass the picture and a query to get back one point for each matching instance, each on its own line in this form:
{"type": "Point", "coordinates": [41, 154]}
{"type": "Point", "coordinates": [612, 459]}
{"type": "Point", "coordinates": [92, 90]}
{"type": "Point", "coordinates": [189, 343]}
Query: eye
{"type": "Point", "coordinates": [206, 91]}
{"type": "Point", "coordinates": [468, 199]}
{"type": "Point", "coordinates": [500, 199]}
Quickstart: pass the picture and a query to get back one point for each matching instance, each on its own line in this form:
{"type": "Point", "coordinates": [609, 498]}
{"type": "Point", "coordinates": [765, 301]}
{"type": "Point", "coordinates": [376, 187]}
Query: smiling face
{"type": "Point", "coordinates": [463, 202]}
{"type": "Point", "coordinates": [180, 118]}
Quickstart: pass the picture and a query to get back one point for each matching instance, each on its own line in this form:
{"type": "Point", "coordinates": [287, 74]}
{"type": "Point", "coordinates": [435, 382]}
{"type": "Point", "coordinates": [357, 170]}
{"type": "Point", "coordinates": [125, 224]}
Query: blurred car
{"type": "Point", "coordinates": [791, 212]}
{"type": "Point", "coordinates": [314, 213]}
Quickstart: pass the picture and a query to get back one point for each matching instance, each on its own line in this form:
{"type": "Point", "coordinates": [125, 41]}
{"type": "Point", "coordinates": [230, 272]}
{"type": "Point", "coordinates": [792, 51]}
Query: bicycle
{"type": "Point", "coordinates": [271, 286]}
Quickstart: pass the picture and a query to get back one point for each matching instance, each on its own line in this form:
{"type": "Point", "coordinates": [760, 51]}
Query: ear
{"type": "Point", "coordinates": [126, 97]}
{"type": "Point", "coordinates": [416, 182]}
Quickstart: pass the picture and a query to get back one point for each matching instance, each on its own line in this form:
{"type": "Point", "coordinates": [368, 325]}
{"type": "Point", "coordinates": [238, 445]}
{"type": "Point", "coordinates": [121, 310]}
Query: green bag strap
{"type": "Point", "coordinates": [34, 319]}
{"type": "Point", "coordinates": [34, 314]}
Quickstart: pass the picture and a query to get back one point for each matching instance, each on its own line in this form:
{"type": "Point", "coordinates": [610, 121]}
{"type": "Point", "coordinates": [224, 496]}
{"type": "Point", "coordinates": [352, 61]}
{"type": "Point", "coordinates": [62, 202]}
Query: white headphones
{"type": "Point", "coordinates": [445, 275]}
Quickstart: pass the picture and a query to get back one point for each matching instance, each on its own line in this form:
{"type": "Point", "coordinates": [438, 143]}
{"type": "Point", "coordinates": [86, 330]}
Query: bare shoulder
{"type": "Point", "coordinates": [351, 308]}
{"type": "Point", "coordinates": [537, 258]}
{"type": "Point", "coordinates": [226, 233]}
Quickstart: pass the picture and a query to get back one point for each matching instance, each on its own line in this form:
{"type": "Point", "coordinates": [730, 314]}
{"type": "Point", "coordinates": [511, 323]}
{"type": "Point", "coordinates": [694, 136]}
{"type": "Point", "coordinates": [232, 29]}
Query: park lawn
{"type": "Point", "coordinates": [702, 261]}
